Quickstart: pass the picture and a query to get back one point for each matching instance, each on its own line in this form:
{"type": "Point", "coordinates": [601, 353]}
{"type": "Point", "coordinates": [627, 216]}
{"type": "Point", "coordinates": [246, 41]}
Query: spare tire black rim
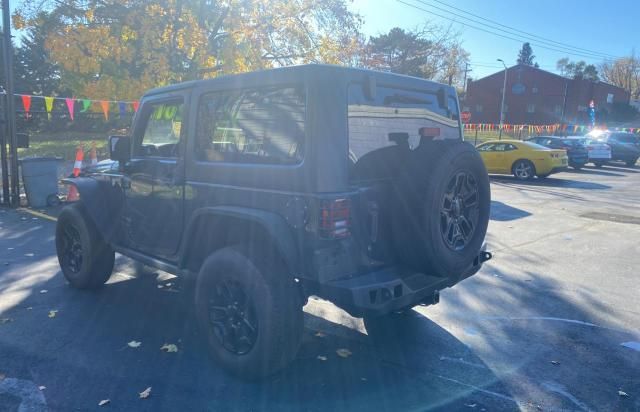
{"type": "Point", "coordinates": [71, 249]}
{"type": "Point", "coordinates": [233, 317]}
{"type": "Point", "coordinates": [460, 210]}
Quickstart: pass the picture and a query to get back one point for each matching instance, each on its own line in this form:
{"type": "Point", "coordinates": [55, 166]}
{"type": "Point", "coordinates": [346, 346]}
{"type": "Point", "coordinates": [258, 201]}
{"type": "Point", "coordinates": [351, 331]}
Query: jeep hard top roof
{"type": "Point", "coordinates": [309, 70]}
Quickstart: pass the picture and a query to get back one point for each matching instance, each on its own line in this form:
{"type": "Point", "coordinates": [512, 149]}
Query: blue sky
{"type": "Point", "coordinates": [611, 27]}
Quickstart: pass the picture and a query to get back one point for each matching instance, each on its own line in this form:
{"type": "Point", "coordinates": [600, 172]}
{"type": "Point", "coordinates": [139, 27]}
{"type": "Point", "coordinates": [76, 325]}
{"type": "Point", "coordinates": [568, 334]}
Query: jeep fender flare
{"type": "Point", "coordinates": [275, 227]}
{"type": "Point", "coordinates": [101, 202]}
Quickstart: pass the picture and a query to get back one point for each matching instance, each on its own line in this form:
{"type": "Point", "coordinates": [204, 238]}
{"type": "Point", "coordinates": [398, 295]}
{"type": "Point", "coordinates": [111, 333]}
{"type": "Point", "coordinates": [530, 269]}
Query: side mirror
{"type": "Point", "coordinates": [120, 148]}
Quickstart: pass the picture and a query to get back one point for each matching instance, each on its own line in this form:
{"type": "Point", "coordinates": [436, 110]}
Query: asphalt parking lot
{"type": "Point", "coordinates": [551, 323]}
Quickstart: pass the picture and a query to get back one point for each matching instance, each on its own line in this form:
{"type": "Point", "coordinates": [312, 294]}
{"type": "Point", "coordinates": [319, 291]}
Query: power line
{"type": "Point", "coordinates": [591, 55]}
{"type": "Point", "coordinates": [566, 45]}
{"type": "Point", "coordinates": [497, 34]}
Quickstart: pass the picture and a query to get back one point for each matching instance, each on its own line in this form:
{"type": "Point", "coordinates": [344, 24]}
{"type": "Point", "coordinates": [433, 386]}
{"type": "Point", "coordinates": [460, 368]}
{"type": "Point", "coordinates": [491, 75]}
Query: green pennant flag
{"type": "Point", "coordinates": [86, 104]}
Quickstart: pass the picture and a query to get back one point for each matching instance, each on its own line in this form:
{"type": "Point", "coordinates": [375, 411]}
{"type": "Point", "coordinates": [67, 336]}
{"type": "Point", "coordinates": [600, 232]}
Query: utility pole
{"type": "Point", "coordinates": [10, 111]}
{"type": "Point", "coordinates": [464, 82]}
{"type": "Point", "coordinates": [564, 103]}
{"type": "Point", "coordinates": [504, 90]}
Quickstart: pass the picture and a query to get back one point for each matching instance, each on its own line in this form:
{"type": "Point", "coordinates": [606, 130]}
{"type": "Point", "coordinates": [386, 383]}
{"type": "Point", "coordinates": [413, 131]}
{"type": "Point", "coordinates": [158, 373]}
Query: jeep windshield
{"type": "Point", "coordinates": [374, 120]}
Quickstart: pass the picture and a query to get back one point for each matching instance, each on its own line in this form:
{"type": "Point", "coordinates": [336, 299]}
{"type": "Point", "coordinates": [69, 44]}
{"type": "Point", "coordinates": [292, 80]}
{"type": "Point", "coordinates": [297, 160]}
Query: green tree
{"type": "Point", "coordinates": [525, 55]}
{"type": "Point", "coordinates": [579, 70]}
{"type": "Point", "coordinates": [432, 52]}
{"type": "Point", "coordinates": [35, 73]}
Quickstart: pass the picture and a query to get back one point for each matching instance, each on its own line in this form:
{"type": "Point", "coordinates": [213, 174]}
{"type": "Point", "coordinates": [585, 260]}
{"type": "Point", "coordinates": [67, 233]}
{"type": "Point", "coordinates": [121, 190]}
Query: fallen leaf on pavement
{"type": "Point", "coordinates": [169, 348]}
{"type": "Point", "coordinates": [344, 353]}
{"type": "Point", "coordinates": [320, 335]}
{"type": "Point", "coordinates": [134, 344]}
{"type": "Point", "coordinates": [29, 254]}
{"type": "Point", "coordinates": [6, 320]}
{"type": "Point", "coordinates": [169, 284]}
{"type": "Point", "coordinates": [103, 402]}
{"type": "Point", "coordinates": [30, 307]}
{"type": "Point", "coordinates": [322, 358]}
{"type": "Point", "coordinates": [160, 286]}
{"type": "Point", "coordinates": [470, 405]}
{"type": "Point", "coordinates": [145, 393]}
{"type": "Point", "coordinates": [43, 291]}
{"type": "Point", "coordinates": [555, 362]}
{"type": "Point", "coordinates": [623, 394]}
{"type": "Point", "coordinates": [42, 388]}
{"type": "Point", "coordinates": [52, 313]}
{"type": "Point", "coordinates": [363, 379]}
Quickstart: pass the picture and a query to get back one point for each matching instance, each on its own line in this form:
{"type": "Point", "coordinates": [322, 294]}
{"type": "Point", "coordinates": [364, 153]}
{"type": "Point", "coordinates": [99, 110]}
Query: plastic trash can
{"type": "Point", "coordinates": [40, 178]}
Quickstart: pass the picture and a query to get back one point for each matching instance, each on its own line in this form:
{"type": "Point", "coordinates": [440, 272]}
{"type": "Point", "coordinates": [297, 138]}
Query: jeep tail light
{"type": "Point", "coordinates": [335, 218]}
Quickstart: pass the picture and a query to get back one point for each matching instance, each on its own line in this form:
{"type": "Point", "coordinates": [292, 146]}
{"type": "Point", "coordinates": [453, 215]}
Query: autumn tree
{"type": "Point", "coordinates": [432, 52]}
{"type": "Point", "coordinates": [120, 48]}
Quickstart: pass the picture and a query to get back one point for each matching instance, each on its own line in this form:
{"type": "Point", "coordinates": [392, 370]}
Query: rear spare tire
{"type": "Point", "coordinates": [443, 200]}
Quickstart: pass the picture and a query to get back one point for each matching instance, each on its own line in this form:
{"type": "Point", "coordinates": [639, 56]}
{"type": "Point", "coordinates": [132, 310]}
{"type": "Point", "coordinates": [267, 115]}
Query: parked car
{"type": "Point", "coordinates": [625, 147]}
{"type": "Point", "coordinates": [269, 187]}
{"type": "Point", "coordinates": [522, 159]}
{"type": "Point", "coordinates": [599, 153]}
{"type": "Point", "coordinates": [576, 150]}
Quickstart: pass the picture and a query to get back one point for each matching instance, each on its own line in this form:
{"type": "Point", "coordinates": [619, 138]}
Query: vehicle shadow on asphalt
{"type": "Point", "coordinates": [596, 171]}
{"type": "Point", "coordinates": [87, 339]}
{"type": "Point", "coordinates": [465, 358]}
{"type": "Point", "coordinates": [548, 182]}
{"type": "Point", "coordinates": [502, 212]}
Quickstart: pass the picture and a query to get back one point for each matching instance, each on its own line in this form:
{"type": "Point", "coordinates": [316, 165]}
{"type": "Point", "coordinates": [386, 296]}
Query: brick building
{"type": "Point", "coordinates": [536, 96]}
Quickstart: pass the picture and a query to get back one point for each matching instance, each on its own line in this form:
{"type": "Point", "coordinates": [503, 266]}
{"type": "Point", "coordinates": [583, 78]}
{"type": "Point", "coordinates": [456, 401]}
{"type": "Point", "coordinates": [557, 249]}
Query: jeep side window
{"type": "Point", "coordinates": [162, 131]}
{"type": "Point", "coordinates": [265, 125]}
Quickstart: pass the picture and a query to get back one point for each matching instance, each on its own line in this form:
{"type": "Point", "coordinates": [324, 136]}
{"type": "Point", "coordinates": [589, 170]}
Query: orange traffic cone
{"type": "Point", "coordinates": [72, 195]}
{"type": "Point", "coordinates": [92, 154]}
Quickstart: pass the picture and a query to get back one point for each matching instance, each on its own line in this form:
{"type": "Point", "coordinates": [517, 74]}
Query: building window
{"type": "Point", "coordinates": [531, 108]}
{"type": "Point", "coordinates": [478, 108]}
{"type": "Point", "coordinates": [558, 109]}
{"type": "Point", "coordinates": [534, 89]}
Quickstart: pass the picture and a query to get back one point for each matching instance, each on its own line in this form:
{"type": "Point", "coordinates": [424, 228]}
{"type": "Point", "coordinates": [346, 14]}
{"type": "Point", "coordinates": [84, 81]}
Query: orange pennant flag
{"type": "Point", "coordinates": [105, 108]}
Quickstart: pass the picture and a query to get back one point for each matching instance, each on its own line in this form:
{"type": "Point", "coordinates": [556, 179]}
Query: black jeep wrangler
{"type": "Point", "coordinates": [269, 187]}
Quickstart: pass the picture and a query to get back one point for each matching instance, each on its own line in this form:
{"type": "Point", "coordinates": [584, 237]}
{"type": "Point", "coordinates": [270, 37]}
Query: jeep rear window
{"type": "Point", "coordinates": [265, 125]}
{"type": "Point", "coordinates": [395, 110]}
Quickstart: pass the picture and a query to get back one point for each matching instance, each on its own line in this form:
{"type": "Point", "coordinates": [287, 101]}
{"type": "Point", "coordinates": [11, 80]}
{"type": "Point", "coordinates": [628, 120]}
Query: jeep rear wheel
{"type": "Point", "coordinates": [443, 200]}
{"type": "Point", "coordinates": [249, 311]}
{"type": "Point", "coordinates": [85, 258]}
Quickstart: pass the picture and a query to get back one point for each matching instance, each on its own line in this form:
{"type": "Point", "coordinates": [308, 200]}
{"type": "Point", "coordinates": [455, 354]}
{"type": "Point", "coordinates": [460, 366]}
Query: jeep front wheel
{"type": "Point", "coordinates": [85, 258]}
{"type": "Point", "coordinates": [248, 310]}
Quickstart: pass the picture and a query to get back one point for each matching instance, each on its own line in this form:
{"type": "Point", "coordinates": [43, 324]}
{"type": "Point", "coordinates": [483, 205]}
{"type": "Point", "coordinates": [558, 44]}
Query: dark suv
{"type": "Point", "coordinates": [624, 146]}
{"type": "Point", "coordinates": [269, 187]}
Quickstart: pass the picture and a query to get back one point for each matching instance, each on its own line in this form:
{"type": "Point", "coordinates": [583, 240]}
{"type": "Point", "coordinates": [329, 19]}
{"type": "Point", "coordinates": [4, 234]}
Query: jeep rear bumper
{"type": "Point", "coordinates": [390, 289]}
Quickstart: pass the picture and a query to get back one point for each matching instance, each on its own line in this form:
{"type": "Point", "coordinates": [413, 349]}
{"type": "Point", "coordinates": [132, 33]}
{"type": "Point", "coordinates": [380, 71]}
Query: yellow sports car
{"type": "Point", "coordinates": [522, 159]}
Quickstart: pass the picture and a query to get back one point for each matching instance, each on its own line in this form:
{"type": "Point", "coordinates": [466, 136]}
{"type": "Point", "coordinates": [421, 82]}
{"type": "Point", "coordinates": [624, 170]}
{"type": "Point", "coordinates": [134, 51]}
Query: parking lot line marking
{"type": "Point", "coordinates": [37, 214]}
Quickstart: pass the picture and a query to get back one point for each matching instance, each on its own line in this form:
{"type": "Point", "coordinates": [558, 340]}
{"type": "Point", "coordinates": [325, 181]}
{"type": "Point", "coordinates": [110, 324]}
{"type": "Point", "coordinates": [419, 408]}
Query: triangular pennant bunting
{"type": "Point", "coordinates": [26, 104]}
{"type": "Point", "coordinates": [48, 104]}
{"type": "Point", "coordinates": [105, 108]}
{"type": "Point", "coordinates": [70, 103]}
{"type": "Point", "coordinates": [86, 104]}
